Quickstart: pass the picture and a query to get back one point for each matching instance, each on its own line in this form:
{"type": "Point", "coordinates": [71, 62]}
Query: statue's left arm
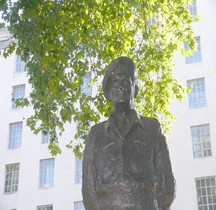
{"type": "Point", "coordinates": [88, 180]}
{"type": "Point", "coordinates": [166, 193]}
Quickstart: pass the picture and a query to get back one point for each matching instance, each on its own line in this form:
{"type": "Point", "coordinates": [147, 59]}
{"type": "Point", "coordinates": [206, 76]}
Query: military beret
{"type": "Point", "coordinates": [123, 65]}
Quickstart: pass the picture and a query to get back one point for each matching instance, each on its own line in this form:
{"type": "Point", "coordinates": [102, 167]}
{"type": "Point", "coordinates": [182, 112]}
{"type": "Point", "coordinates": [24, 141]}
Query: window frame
{"type": "Point", "coordinates": [201, 139]}
{"type": "Point", "coordinates": [193, 8]}
{"type": "Point", "coordinates": [86, 88]}
{"type": "Point", "coordinates": [20, 94]}
{"type": "Point", "coordinates": [78, 205]}
{"type": "Point", "coordinates": [205, 190]}
{"type": "Point", "coordinates": [45, 138]}
{"type": "Point", "coordinates": [20, 65]}
{"type": "Point", "coordinates": [46, 180]}
{"type": "Point", "coordinates": [196, 57]}
{"type": "Point", "coordinates": [44, 207]}
{"type": "Point", "coordinates": [15, 139]}
{"type": "Point", "coordinates": [78, 171]}
{"type": "Point", "coordinates": [13, 180]}
{"type": "Point", "coordinates": [197, 98]}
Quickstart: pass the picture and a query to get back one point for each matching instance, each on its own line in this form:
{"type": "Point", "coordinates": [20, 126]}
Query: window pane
{"type": "Point", "coordinates": [78, 170]}
{"type": "Point", "coordinates": [196, 56]}
{"type": "Point", "coordinates": [20, 65]}
{"type": "Point", "coordinates": [18, 92]}
{"type": "Point", "coordinates": [45, 138]}
{"type": "Point", "coordinates": [11, 178]}
{"type": "Point", "coordinates": [48, 207]}
{"type": "Point", "coordinates": [206, 193]}
{"type": "Point", "coordinates": [86, 87]}
{"type": "Point", "coordinates": [201, 141]}
{"type": "Point", "coordinates": [78, 205]}
{"type": "Point", "coordinates": [197, 97]}
{"type": "Point", "coordinates": [15, 135]}
{"type": "Point", "coordinates": [46, 173]}
{"type": "Point", "coordinates": [193, 8]}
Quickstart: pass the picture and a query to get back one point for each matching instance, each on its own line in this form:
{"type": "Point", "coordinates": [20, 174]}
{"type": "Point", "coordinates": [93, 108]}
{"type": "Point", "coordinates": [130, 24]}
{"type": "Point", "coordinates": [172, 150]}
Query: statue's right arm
{"type": "Point", "coordinates": [88, 176]}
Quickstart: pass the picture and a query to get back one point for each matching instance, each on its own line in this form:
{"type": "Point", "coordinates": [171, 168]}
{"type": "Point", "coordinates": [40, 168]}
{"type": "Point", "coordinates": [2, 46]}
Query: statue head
{"type": "Point", "coordinates": [120, 81]}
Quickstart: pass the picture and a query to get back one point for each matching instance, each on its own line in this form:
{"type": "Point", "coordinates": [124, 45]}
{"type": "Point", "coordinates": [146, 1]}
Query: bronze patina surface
{"type": "Point", "coordinates": [126, 164]}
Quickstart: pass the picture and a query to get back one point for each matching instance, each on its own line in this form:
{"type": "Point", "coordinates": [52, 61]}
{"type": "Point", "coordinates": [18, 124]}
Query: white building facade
{"type": "Point", "coordinates": [192, 139]}
{"type": "Point", "coordinates": [31, 179]}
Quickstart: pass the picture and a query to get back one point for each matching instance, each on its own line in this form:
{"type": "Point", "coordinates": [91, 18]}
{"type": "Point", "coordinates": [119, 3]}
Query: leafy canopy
{"type": "Point", "coordinates": [62, 41]}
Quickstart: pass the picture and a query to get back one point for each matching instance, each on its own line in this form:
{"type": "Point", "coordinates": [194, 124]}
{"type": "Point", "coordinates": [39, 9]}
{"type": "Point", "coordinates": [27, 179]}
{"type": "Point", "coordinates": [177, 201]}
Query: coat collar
{"type": "Point", "coordinates": [133, 118]}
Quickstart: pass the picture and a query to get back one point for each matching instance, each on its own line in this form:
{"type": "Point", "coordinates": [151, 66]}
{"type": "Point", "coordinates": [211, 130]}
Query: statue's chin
{"type": "Point", "coordinates": [122, 106]}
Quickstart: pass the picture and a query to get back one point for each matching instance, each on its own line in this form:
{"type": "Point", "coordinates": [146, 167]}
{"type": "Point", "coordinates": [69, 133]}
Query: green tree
{"type": "Point", "coordinates": [62, 41]}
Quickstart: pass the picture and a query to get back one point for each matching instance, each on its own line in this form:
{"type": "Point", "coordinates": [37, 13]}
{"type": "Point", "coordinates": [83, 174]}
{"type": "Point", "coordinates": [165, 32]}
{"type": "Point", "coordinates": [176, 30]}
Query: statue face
{"type": "Point", "coordinates": [122, 89]}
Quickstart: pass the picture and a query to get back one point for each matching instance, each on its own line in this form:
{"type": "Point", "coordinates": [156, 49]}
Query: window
{"type": "Point", "coordinates": [78, 205]}
{"type": "Point", "coordinates": [11, 178]}
{"type": "Point", "coordinates": [46, 173]}
{"type": "Point", "coordinates": [78, 170]}
{"type": "Point", "coordinates": [86, 88]}
{"type": "Point", "coordinates": [45, 138]}
{"type": "Point", "coordinates": [206, 193]}
{"type": "Point", "coordinates": [15, 135]}
{"type": "Point", "coordinates": [193, 8]}
{"type": "Point", "coordinates": [197, 97]}
{"type": "Point", "coordinates": [195, 57]}
{"type": "Point", "coordinates": [201, 141]}
{"type": "Point", "coordinates": [18, 92]}
{"type": "Point", "coordinates": [20, 65]}
{"type": "Point", "coordinates": [47, 207]}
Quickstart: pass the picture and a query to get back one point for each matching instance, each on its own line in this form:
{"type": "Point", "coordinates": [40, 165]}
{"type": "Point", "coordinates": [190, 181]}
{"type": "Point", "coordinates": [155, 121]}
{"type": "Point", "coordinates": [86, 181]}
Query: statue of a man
{"type": "Point", "coordinates": [126, 164]}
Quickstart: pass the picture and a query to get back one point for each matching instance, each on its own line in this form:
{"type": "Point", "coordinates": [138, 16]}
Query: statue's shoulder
{"type": "Point", "coordinates": [95, 131]}
{"type": "Point", "coordinates": [150, 122]}
{"type": "Point", "coordinates": [98, 128]}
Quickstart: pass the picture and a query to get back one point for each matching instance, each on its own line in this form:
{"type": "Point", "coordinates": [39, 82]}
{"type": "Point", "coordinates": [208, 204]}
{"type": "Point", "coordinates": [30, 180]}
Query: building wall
{"type": "Point", "coordinates": [65, 191]}
{"type": "Point", "coordinates": [186, 167]}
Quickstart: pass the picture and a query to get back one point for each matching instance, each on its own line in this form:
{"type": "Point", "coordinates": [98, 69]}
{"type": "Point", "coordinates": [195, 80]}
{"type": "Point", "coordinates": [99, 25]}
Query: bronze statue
{"type": "Point", "coordinates": [126, 164]}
